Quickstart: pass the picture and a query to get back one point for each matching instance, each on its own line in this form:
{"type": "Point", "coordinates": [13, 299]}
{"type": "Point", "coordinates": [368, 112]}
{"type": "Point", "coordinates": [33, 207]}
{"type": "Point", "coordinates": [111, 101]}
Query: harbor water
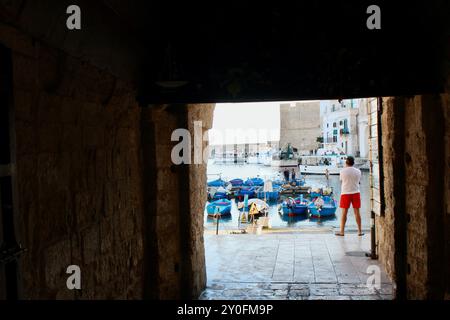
{"type": "Point", "coordinates": [278, 221]}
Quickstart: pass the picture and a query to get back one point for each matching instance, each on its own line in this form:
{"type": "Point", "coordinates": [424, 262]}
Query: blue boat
{"type": "Point", "coordinates": [297, 206]}
{"type": "Point", "coordinates": [327, 209]}
{"type": "Point", "coordinates": [220, 195]}
{"type": "Point", "coordinates": [315, 193]}
{"type": "Point", "coordinates": [222, 207]}
{"type": "Point", "coordinates": [300, 182]}
{"type": "Point", "coordinates": [217, 183]}
{"type": "Point", "coordinates": [237, 182]}
{"type": "Point", "coordinates": [270, 196]}
{"type": "Point", "coordinates": [278, 183]}
{"type": "Point", "coordinates": [250, 191]}
{"type": "Point", "coordinates": [254, 182]}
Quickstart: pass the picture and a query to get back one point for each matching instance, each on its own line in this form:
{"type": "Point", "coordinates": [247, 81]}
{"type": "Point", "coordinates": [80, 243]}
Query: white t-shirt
{"type": "Point", "coordinates": [350, 178]}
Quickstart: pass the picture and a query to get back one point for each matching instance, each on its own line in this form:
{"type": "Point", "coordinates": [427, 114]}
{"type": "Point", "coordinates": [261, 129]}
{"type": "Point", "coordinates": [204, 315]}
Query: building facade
{"type": "Point", "coordinates": [345, 127]}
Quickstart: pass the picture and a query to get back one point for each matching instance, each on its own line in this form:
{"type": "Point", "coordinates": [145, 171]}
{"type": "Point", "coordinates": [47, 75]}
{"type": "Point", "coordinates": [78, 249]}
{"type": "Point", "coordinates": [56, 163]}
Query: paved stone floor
{"type": "Point", "coordinates": [306, 266]}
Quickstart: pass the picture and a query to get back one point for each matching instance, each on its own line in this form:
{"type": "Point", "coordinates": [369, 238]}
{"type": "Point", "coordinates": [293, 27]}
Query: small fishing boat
{"type": "Point", "coordinates": [327, 191]}
{"type": "Point", "coordinates": [299, 182]}
{"type": "Point", "coordinates": [270, 196]}
{"type": "Point", "coordinates": [278, 182]}
{"type": "Point", "coordinates": [315, 192]}
{"type": "Point", "coordinates": [221, 193]}
{"type": "Point", "coordinates": [324, 206]}
{"type": "Point", "coordinates": [256, 207]}
{"type": "Point", "coordinates": [217, 183]}
{"type": "Point", "coordinates": [237, 182]}
{"type": "Point", "coordinates": [286, 158]}
{"type": "Point", "coordinates": [324, 165]}
{"type": "Point", "coordinates": [221, 207]}
{"type": "Point", "coordinates": [245, 190]}
{"type": "Point", "coordinates": [287, 189]}
{"type": "Point", "coordinates": [257, 182]}
{"type": "Point", "coordinates": [293, 206]}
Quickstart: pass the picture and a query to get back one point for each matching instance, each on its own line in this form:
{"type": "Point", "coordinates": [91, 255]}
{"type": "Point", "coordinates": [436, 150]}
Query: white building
{"type": "Point", "coordinates": [345, 126]}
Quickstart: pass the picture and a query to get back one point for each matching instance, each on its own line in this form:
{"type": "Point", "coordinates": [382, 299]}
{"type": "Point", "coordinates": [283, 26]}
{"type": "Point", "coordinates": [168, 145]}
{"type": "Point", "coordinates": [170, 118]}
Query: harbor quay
{"type": "Point", "coordinates": [302, 265]}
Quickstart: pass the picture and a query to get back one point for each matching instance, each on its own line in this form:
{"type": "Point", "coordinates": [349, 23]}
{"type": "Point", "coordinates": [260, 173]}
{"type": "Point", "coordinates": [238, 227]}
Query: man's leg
{"type": "Point", "coordinates": [343, 219]}
{"type": "Point", "coordinates": [356, 203]}
{"type": "Point", "coordinates": [358, 219]}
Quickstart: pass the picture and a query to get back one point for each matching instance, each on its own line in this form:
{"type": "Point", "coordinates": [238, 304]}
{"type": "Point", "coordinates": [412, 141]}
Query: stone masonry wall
{"type": "Point", "coordinates": [385, 223]}
{"type": "Point", "coordinates": [178, 202]}
{"type": "Point", "coordinates": [416, 205]}
{"type": "Point", "coordinates": [77, 174]}
{"type": "Point", "coordinates": [416, 212]}
{"type": "Point", "coordinates": [197, 183]}
{"type": "Point", "coordinates": [446, 260]}
{"type": "Point", "coordinates": [300, 125]}
{"type": "Point", "coordinates": [166, 225]}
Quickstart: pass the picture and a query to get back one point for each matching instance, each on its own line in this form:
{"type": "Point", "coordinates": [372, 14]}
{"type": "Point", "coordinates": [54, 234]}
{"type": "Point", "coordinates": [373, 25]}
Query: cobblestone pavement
{"type": "Point", "coordinates": [300, 266]}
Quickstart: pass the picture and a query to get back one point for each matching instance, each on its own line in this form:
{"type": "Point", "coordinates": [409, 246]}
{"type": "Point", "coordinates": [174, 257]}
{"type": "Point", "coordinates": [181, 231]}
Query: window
{"type": "Point", "coordinates": [334, 124]}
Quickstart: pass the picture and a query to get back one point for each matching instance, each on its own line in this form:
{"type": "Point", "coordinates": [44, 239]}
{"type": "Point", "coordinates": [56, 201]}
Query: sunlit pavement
{"type": "Point", "coordinates": [301, 266]}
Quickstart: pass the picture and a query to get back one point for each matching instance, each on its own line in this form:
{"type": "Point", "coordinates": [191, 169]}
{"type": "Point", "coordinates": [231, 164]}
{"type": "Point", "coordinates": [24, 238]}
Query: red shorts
{"type": "Point", "coordinates": [354, 199]}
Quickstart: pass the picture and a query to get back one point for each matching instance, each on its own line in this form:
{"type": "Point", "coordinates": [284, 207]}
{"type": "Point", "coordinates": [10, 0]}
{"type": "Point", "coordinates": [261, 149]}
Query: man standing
{"type": "Point", "coordinates": [350, 178]}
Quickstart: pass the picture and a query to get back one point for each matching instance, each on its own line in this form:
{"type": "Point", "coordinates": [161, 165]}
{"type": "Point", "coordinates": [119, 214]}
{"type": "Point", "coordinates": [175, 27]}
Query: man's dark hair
{"type": "Point", "coordinates": [350, 161]}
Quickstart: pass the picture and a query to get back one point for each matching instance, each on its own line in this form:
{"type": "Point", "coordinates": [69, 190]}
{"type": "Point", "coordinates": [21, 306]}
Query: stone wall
{"type": "Point", "coordinates": [78, 175]}
{"type": "Point", "coordinates": [416, 183]}
{"type": "Point", "coordinates": [95, 183]}
{"type": "Point", "coordinates": [446, 258]}
{"type": "Point", "coordinates": [198, 196]}
{"type": "Point", "coordinates": [413, 233]}
{"type": "Point", "coordinates": [300, 125]}
{"type": "Point", "coordinates": [177, 201]}
{"type": "Point", "coordinates": [385, 223]}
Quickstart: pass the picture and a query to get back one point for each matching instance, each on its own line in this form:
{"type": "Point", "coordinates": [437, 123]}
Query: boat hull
{"type": "Point", "coordinates": [293, 163]}
{"type": "Point", "coordinates": [220, 195]}
{"type": "Point", "coordinates": [220, 207]}
{"type": "Point", "coordinates": [295, 210]}
{"type": "Point", "coordinates": [310, 169]}
{"type": "Point", "coordinates": [327, 210]}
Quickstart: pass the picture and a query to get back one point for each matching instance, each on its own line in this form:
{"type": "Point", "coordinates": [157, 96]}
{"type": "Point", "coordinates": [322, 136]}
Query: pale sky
{"type": "Point", "coordinates": [245, 122]}
{"type": "Point", "coordinates": [248, 122]}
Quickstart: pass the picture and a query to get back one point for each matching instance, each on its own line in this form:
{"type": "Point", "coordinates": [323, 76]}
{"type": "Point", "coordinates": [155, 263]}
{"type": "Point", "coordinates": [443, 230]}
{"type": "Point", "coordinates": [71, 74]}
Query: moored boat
{"type": "Point", "coordinates": [221, 207]}
{"type": "Point", "coordinates": [254, 182]}
{"type": "Point", "coordinates": [217, 183]}
{"type": "Point", "coordinates": [245, 190]}
{"type": "Point", "coordinates": [324, 206]}
{"type": "Point", "coordinates": [324, 165]}
{"type": "Point", "coordinates": [293, 206]}
{"type": "Point", "coordinates": [237, 182]}
{"type": "Point", "coordinates": [256, 207]}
